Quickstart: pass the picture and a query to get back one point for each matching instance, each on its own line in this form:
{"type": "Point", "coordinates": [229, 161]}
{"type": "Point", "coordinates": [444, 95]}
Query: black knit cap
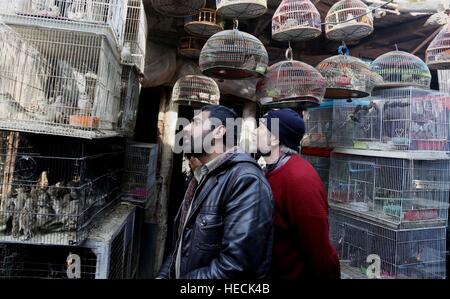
{"type": "Point", "coordinates": [291, 127]}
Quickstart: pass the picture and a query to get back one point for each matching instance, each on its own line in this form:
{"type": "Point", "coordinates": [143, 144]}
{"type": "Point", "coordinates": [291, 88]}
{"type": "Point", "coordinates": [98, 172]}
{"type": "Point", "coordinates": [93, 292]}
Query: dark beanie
{"type": "Point", "coordinates": [291, 127]}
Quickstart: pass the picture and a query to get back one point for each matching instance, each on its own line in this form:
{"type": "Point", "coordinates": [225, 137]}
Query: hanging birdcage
{"type": "Point", "coordinates": [178, 8]}
{"type": "Point", "coordinates": [241, 9]}
{"type": "Point", "coordinates": [196, 91]}
{"type": "Point", "coordinates": [399, 69]}
{"type": "Point", "coordinates": [233, 54]}
{"type": "Point", "coordinates": [205, 24]}
{"type": "Point", "coordinates": [348, 20]}
{"type": "Point", "coordinates": [291, 83]}
{"type": "Point", "coordinates": [190, 46]}
{"type": "Point", "coordinates": [347, 77]}
{"type": "Point", "coordinates": [296, 20]}
{"type": "Point", "coordinates": [437, 55]}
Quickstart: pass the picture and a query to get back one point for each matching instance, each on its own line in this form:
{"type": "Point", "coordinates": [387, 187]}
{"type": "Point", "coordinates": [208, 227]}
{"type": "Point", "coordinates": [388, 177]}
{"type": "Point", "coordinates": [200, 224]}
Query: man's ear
{"type": "Point", "coordinates": [274, 140]}
{"type": "Point", "coordinates": [219, 132]}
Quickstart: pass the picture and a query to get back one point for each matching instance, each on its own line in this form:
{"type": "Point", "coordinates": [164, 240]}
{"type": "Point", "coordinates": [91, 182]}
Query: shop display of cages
{"type": "Point", "coordinates": [437, 55]}
{"type": "Point", "coordinates": [204, 24]}
{"type": "Point", "coordinates": [191, 46]}
{"type": "Point", "coordinates": [135, 38]}
{"type": "Point", "coordinates": [401, 190]}
{"type": "Point", "coordinates": [178, 8]}
{"type": "Point", "coordinates": [348, 20]}
{"type": "Point", "coordinates": [52, 187]}
{"type": "Point", "coordinates": [364, 246]}
{"type": "Point", "coordinates": [129, 100]}
{"type": "Point", "coordinates": [106, 17]}
{"type": "Point", "coordinates": [141, 161]}
{"type": "Point", "coordinates": [195, 90]}
{"type": "Point", "coordinates": [318, 126]}
{"type": "Point", "coordinates": [321, 165]}
{"type": "Point", "coordinates": [400, 69]}
{"type": "Point", "coordinates": [241, 9]}
{"type": "Point", "coordinates": [296, 20]}
{"type": "Point", "coordinates": [406, 118]}
{"type": "Point", "coordinates": [58, 82]}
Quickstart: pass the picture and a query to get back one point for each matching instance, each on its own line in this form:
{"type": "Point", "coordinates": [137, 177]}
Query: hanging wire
{"type": "Point", "coordinates": [359, 16]}
{"type": "Point", "coordinates": [235, 24]}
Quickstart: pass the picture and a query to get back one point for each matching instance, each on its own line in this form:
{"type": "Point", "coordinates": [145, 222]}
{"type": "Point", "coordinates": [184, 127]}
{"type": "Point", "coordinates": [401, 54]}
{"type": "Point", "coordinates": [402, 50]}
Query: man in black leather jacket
{"type": "Point", "coordinates": [223, 229]}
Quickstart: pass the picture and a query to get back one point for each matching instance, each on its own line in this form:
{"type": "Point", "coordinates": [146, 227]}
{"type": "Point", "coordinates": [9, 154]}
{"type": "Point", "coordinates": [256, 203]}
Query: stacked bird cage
{"type": "Point", "coordinates": [204, 24]}
{"type": "Point", "coordinates": [178, 8]}
{"type": "Point", "coordinates": [191, 46]}
{"type": "Point", "coordinates": [140, 173]}
{"type": "Point", "coordinates": [241, 9]}
{"type": "Point", "coordinates": [408, 118]}
{"type": "Point", "coordinates": [399, 69]}
{"type": "Point", "coordinates": [129, 100]}
{"type": "Point", "coordinates": [52, 187]}
{"type": "Point", "coordinates": [135, 38]}
{"type": "Point", "coordinates": [296, 20]}
{"type": "Point", "coordinates": [320, 163]}
{"type": "Point", "coordinates": [194, 90]}
{"type": "Point", "coordinates": [368, 250]}
{"type": "Point", "coordinates": [106, 17]}
{"type": "Point", "coordinates": [348, 20]}
{"type": "Point", "coordinates": [318, 126]}
{"type": "Point", "coordinates": [438, 52]}
{"type": "Point", "coordinates": [233, 54]}
{"type": "Point", "coordinates": [58, 82]}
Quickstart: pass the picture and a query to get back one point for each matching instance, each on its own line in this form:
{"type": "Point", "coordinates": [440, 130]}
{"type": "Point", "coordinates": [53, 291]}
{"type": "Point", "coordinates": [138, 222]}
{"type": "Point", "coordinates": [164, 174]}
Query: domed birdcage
{"type": "Point", "coordinates": [241, 9]}
{"type": "Point", "coordinates": [196, 91]}
{"type": "Point", "coordinates": [291, 83]}
{"type": "Point", "coordinates": [348, 20]}
{"type": "Point", "coordinates": [178, 8]}
{"type": "Point", "coordinates": [233, 54]}
{"type": "Point", "coordinates": [205, 23]}
{"type": "Point", "coordinates": [296, 20]}
{"type": "Point", "coordinates": [191, 46]}
{"type": "Point", "coordinates": [399, 68]}
{"type": "Point", "coordinates": [347, 76]}
{"type": "Point", "coordinates": [438, 52]}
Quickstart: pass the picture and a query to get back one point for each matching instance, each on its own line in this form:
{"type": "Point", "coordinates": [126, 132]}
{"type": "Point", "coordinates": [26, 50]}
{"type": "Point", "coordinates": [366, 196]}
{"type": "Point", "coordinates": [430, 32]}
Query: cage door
{"type": "Point", "coordinates": [361, 184]}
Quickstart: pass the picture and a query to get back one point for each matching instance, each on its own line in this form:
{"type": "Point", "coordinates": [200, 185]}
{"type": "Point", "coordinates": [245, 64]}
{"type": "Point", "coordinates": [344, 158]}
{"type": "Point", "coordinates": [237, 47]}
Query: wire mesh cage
{"type": "Point", "coordinates": [318, 126]}
{"type": "Point", "coordinates": [233, 54]}
{"type": "Point", "coordinates": [135, 38]}
{"type": "Point", "coordinates": [241, 9]}
{"type": "Point", "coordinates": [398, 190]}
{"type": "Point", "coordinates": [140, 172]}
{"type": "Point", "coordinates": [296, 20]}
{"type": "Point", "coordinates": [321, 165]}
{"type": "Point", "coordinates": [403, 254]}
{"type": "Point", "coordinates": [52, 187]}
{"type": "Point", "coordinates": [405, 118]}
{"type": "Point", "coordinates": [348, 20]}
{"type": "Point", "coordinates": [194, 90]}
{"type": "Point", "coordinates": [94, 16]}
{"type": "Point", "coordinates": [129, 100]}
{"type": "Point", "coordinates": [437, 55]}
{"type": "Point", "coordinates": [178, 8]}
{"type": "Point", "coordinates": [399, 68]}
{"type": "Point", "coordinates": [204, 24]}
{"type": "Point", "coordinates": [58, 82]}
{"type": "Point", "coordinates": [347, 77]}
{"type": "Point", "coordinates": [191, 46]}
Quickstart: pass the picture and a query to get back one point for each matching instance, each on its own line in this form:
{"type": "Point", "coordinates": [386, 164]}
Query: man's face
{"type": "Point", "coordinates": [263, 139]}
{"type": "Point", "coordinates": [198, 135]}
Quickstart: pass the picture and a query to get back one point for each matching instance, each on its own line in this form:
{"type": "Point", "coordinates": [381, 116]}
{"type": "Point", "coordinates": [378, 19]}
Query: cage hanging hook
{"type": "Point", "coordinates": [235, 24]}
{"type": "Point", "coordinates": [289, 53]}
{"type": "Point", "coordinates": [396, 47]}
{"type": "Point", "coordinates": [343, 48]}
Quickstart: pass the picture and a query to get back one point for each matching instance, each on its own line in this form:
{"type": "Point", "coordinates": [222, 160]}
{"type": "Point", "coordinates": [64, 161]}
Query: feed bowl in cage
{"type": "Point", "coordinates": [178, 8]}
{"type": "Point", "coordinates": [348, 20]}
{"type": "Point", "coordinates": [241, 9]}
{"type": "Point", "coordinates": [191, 47]}
{"type": "Point", "coordinates": [196, 91]}
{"type": "Point", "coordinates": [437, 55]}
{"type": "Point", "coordinates": [296, 20]}
{"type": "Point", "coordinates": [204, 24]}
{"type": "Point", "coordinates": [233, 54]}
{"type": "Point", "coordinates": [399, 69]}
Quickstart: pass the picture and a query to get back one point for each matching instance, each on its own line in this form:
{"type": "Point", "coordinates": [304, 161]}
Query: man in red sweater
{"type": "Point", "coordinates": [302, 248]}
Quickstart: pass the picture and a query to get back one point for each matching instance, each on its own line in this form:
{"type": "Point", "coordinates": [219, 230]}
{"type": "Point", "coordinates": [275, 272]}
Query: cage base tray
{"type": "Point", "coordinates": [347, 31]}
{"type": "Point", "coordinates": [298, 33]}
{"type": "Point", "coordinates": [439, 65]}
{"type": "Point", "coordinates": [343, 93]}
{"type": "Point", "coordinates": [59, 238]}
{"type": "Point", "coordinates": [242, 10]}
{"type": "Point", "coordinates": [229, 73]}
{"type": "Point", "coordinates": [295, 103]}
{"type": "Point", "coordinates": [202, 29]}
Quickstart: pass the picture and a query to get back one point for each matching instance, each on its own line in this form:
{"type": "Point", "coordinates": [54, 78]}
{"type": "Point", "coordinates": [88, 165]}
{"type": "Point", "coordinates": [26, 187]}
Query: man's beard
{"type": "Point", "coordinates": [197, 152]}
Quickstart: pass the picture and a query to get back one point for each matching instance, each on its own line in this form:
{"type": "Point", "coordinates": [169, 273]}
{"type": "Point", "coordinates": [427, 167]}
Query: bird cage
{"type": "Point", "coordinates": [196, 90]}
{"type": "Point", "coordinates": [140, 173]}
{"type": "Point", "coordinates": [204, 24]}
{"type": "Point", "coordinates": [399, 68]}
{"type": "Point", "coordinates": [51, 187]}
{"type": "Point", "coordinates": [318, 126]}
{"type": "Point", "coordinates": [348, 20]}
{"type": "Point", "coordinates": [241, 9]}
{"type": "Point", "coordinates": [178, 8]}
{"type": "Point", "coordinates": [106, 17]}
{"type": "Point", "coordinates": [129, 100]}
{"type": "Point", "coordinates": [233, 54]}
{"type": "Point", "coordinates": [407, 119]}
{"type": "Point", "coordinates": [58, 82]}
{"type": "Point", "coordinates": [291, 83]}
{"type": "Point", "coordinates": [437, 55]}
{"type": "Point", "coordinates": [347, 77]}
{"type": "Point", "coordinates": [398, 189]}
{"type": "Point", "coordinates": [135, 39]}
{"type": "Point", "coordinates": [403, 254]}
{"type": "Point", "coordinates": [296, 20]}
{"type": "Point", "coordinates": [321, 165]}
{"type": "Point", "coordinates": [191, 46]}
